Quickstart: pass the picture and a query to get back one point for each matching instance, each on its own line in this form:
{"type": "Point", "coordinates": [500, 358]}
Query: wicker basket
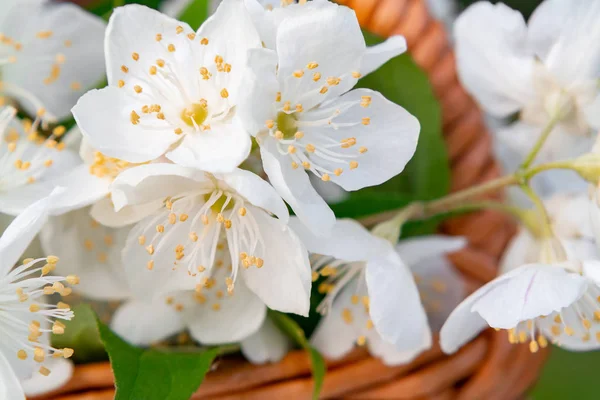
{"type": "Point", "coordinates": [487, 368]}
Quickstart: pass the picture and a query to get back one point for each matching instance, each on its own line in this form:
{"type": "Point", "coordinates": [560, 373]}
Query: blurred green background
{"type": "Point", "coordinates": [567, 375]}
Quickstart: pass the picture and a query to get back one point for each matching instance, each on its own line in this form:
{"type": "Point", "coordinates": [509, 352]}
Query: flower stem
{"type": "Point", "coordinates": [539, 144]}
{"type": "Point", "coordinates": [546, 223]}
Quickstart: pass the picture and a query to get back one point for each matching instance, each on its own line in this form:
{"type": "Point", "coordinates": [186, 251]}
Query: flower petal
{"type": "Point", "coordinates": [376, 56]}
{"type": "Point", "coordinates": [283, 283]}
{"type": "Point", "coordinates": [349, 241]}
{"type": "Point", "coordinates": [384, 136]}
{"type": "Point", "coordinates": [56, 68]}
{"type": "Point", "coordinates": [81, 189]}
{"type": "Point", "coordinates": [395, 305]}
{"type": "Point", "coordinates": [10, 387]}
{"type": "Point", "coordinates": [257, 96]}
{"type": "Point", "coordinates": [257, 191]}
{"type": "Point", "coordinates": [150, 182]}
{"type": "Point", "coordinates": [234, 319]}
{"type": "Point", "coordinates": [106, 118]}
{"type": "Point", "coordinates": [268, 344]}
{"type": "Point", "coordinates": [330, 38]}
{"type": "Point", "coordinates": [22, 230]}
{"type": "Point", "coordinates": [221, 149]}
{"type": "Point", "coordinates": [93, 254]}
{"type": "Point", "coordinates": [143, 323]}
{"type": "Point", "coordinates": [38, 384]}
{"type": "Point", "coordinates": [492, 57]}
{"type": "Point", "coordinates": [294, 186]}
{"type": "Point", "coordinates": [104, 212]}
{"type": "Point", "coordinates": [576, 41]}
{"type": "Point", "coordinates": [531, 291]}
{"type": "Point", "coordinates": [231, 34]}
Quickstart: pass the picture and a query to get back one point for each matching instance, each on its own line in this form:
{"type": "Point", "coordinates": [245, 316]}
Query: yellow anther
{"type": "Point", "coordinates": [366, 121]}
{"type": "Point", "coordinates": [38, 354]}
{"type": "Point", "coordinates": [150, 265]}
{"type": "Point", "coordinates": [152, 70]}
{"type": "Point", "coordinates": [259, 262]}
{"type": "Point", "coordinates": [52, 259]}
{"type": "Point", "coordinates": [204, 41]}
{"type": "Point", "coordinates": [279, 135]}
{"type": "Point", "coordinates": [22, 354]}
{"type": "Point", "coordinates": [586, 324]}
{"type": "Point", "coordinates": [287, 106]}
{"type": "Point", "coordinates": [142, 240]}
{"type": "Point", "coordinates": [137, 88]}
{"type": "Point", "coordinates": [270, 124]}
{"type": "Point", "coordinates": [121, 83]}
{"type": "Point", "coordinates": [191, 36]}
{"type": "Point", "coordinates": [158, 37]}
{"type": "Point", "coordinates": [160, 62]}
{"type": "Point", "coordinates": [150, 249]}
{"type": "Point", "coordinates": [362, 150]}
{"type": "Point", "coordinates": [172, 218]}
{"type": "Point", "coordinates": [543, 342]}
{"type": "Point", "coordinates": [533, 346]}
{"type": "Point", "coordinates": [316, 76]}
{"type": "Point", "coordinates": [34, 308]}
{"type": "Point", "coordinates": [291, 149]}
{"type": "Point", "coordinates": [224, 93]}
{"type": "Point", "coordinates": [67, 352]}
{"type": "Point", "coordinates": [171, 48]}
{"type": "Point", "coordinates": [294, 165]}
{"type": "Point", "coordinates": [124, 69]}
{"type": "Point", "coordinates": [72, 279]}
{"type": "Point", "coordinates": [193, 236]}
{"type": "Point", "coordinates": [278, 97]}
{"type": "Point", "coordinates": [338, 171]}
{"type": "Point", "coordinates": [333, 81]}
{"type": "Point", "coordinates": [135, 118]}
{"type": "Point", "coordinates": [361, 341]}
{"type": "Point", "coordinates": [325, 178]}
{"type": "Point", "coordinates": [348, 142]}
{"type": "Point", "coordinates": [353, 164]}
{"type": "Point", "coordinates": [179, 29]}
{"type": "Point", "coordinates": [178, 131]}
{"type": "Point", "coordinates": [299, 135]}
{"type": "Point", "coordinates": [135, 56]}
{"type": "Point", "coordinates": [347, 315]}
{"type": "Point", "coordinates": [160, 228]}
{"type": "Point", "coordinates": [298, 74]}
{"type": "Point", "coordinates": [569, 331]}
{"type": "Point", "coordinates": [324, 90]}
{"type": "Point", "coordinates": [59, 131]}
{"type": "Point", "coordinates": [310, 148]}
{"type": "Point", "coordinates": [356, 75]}
{"type": "Point", "coordinates": [242, 211]}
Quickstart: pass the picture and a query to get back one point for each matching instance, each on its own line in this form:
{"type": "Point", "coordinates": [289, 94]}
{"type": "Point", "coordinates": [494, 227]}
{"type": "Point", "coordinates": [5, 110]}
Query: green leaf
{"type": "Point", "coordinates": [293, 330]}
{"type": "Point", "coordinates": [154, 374]}
{"type": "Point", "coordinates": [195, 13]}
{"type": "Point", "coordinates": [81, 334]}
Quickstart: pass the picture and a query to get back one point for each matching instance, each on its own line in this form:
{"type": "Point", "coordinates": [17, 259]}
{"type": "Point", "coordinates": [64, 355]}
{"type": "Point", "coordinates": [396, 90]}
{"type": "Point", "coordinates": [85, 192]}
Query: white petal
{"type": "Point", "coordinates": [257, 191]}
{"type": "Point", "coordinates": [238, 316]}
{"type": "Point", "coordinates": [81, 190]}
{"type": "Point", "coordinates": [388, 353]}
{"type": "Point", "coordinates": [151, 182]}
{"type": "Point", "coordinates": [284, 281]}
{"type": "Point", "coordinates": [93, 254]}
{"type": "Point", "coordinates": [492, 58]}
{"type": "Point", "coordinates": [591, 269]}
{"type": "Point", "coordinates": [144, 323]}
{"type": "Point", "coordinates": [376, 56]}
{"type": "Point", "coordinates": [294, 186]}
{"type": "Point", "coordinates": [532, 291]}
{"type": "Point", "coordinates": [332, 194]}
{"type": "Point", "coordinates": [105, 119]}
{"type": "Point", "coordinates": [592, 113]}
{"type": "Point", "coordinates": [10, 387]}
{"type": "Point", "coordinates": [335, 335]}
{"type": "Point", "coordinates": [104, 212]}
{"type": "Point", "coordinates": [268, 344]}
{"type": "Point", "coordinates": [38, 384]}
{"type": "Point", "coordinates": [546, 25]}
{"type": "Point", "coordinates": [389, 136]}
{"type": "Point", "coordinates": [221, 149]}
{"type": "Point", "coordinates": [413, 251]}
{"type": "Point", "coordinates": [22, 230]}
{"type": "Point", "coordinates": [231, 33]}
{"type": "Point", "coordinates": [83, 64]}
{"type": "Point", "coordinates": [349, 241]}
{"type": "Point", "coordinates": [257, 96]}
{"type": "Point", "coordinates": [331, 38]}
{"type": "Point", "coordinates": [395, 305]}
{"type": "Point", "coordinates": [577, 41]}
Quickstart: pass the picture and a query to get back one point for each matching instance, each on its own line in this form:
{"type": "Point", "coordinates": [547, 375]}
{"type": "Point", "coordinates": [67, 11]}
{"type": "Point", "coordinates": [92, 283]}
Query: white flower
{"type": "Point", "coordinates": [539, 303]}
{"type": "Point", "coordinates": [369, 287]}
{"type": "Point", "coordinates": [213, 235]}
{"type": "Point", "coordinates": [29, 163]}
{"type": "Point", "coordinates": [546, 70]}
{"type": "Point", "coordinates": [572, 225]}
{"type": "Point", "coordinates": [171, 90]}
{"type": "Point", "coordinates": [25, 319]}
{"type": "Point", "coordinates": [298, 104]}
{"type": "Point", "coordinates": [268, 344]}
{"type": "Point", "coordinates": [45, 62]}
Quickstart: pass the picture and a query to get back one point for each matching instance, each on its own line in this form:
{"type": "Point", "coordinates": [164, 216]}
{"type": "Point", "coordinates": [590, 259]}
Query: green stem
{"type": "Point", "coordinates": [530, 173]}
{"type": "Point", "coordinates": [539, 144]}
{"type": "Point", "coordinates": [546, 228]}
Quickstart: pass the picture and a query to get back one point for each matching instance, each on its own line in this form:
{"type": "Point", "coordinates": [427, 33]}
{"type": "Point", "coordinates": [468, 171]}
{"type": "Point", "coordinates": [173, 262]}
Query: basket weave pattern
{"type": "Point", "coordinates": [489, 367]}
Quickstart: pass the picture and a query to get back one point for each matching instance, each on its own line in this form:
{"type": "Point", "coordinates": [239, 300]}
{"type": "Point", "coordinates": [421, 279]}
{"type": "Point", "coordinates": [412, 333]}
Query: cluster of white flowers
{"type": "Point", "coordinates": [177, 202]}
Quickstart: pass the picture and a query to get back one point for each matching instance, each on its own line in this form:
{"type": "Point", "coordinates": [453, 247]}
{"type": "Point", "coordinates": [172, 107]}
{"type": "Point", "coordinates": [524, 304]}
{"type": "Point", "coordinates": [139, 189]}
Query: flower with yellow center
{"type": "Point", "coordinates": [371, 297]}
{"type": "Point", "coordinates": [172, 91]}
{"type": "Point", "coordinates": [44, 62]}
{"type": "Point", "coordinates": [299, 105]}
{"type": "Point", "coordinates": [214, 237]}
{"type": "Point", "coordinates": [26, 320]}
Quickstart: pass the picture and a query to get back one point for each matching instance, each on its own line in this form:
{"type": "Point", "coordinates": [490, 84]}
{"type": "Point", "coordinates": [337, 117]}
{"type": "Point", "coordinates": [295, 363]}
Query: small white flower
{"type": "Point", "coordinates": [25, 319]}
{"type": "Point", "coordinates": [299, 105]}
{"type": "Point", "coordinates": [30, 164]}
{"type": "Point", "coordinates": [268, 344]}
{"type": "Point", "coordinates": [46, 63]}
{"type": "Point", "coordinates": [198, 231]}
{"type": "Point", "coordinates": [371, 295]}
{"type": "Point", "coordinates": [539, 303]}
{"type": "Point", "coordinates": [171, 90]}
{"type": "Point", "coordinates": [547, 69]}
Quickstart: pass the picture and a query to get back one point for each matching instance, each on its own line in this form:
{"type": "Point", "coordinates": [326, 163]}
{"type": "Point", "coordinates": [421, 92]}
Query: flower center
{"type": "Point", "coordinates": [287, 124]}
{"type": "Point", "coordinates": [196, 114]}
{"type": "Point", "coordinates": [223, 203]}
